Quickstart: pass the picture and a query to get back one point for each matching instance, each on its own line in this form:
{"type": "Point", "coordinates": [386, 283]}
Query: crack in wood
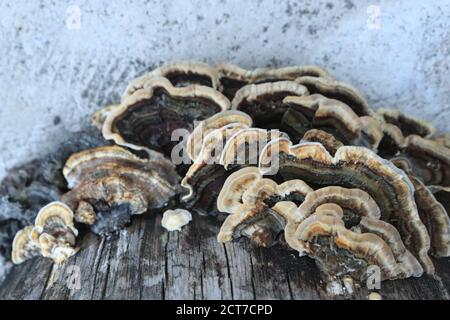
{"type": "Point", "coordinates": [228, 270]}
{"type": "Point", "coordinates": [147, 262]}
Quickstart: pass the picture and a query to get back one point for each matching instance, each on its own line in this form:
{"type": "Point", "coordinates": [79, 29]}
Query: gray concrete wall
{"type": "Point", "coordinates": [55, 69]}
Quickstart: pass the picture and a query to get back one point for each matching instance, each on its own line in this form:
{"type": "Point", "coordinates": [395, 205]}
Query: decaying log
{"type": "Point", "coordinates": [146, 262]}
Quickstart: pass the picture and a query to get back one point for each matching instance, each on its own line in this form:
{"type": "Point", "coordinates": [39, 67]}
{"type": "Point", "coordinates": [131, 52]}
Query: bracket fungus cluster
{"type": "Point", "coordinates": [110, 184]}
{"type": "Point", "coordinates": [218, 146]}
{"type": "Point", "coordinates": [53, 235]}
{"type": "Point", "coordinates": [289, 156]}
{"type": "Point", "coordinates": [339, 227]}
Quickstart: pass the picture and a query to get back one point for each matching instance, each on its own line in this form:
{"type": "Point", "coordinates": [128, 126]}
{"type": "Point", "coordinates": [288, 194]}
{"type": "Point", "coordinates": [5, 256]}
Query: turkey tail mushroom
{"type": "Point", "coordinates": [426, 159]}
{"type": "Point", "coordinates": [333, 116]}
{"type": "Point", "coordinates": [408, 125]}
{"type": "Point", "coordinates": [223, 150]}
{"type": "Point", "coordinates": [355, 167]}
{"type": "Point", "coordinates": [340, 251]}
{"type": "Point", "coordinates": [52, 236]}
{"type": "Point", "coordinates": [110, 184]}
{"type": "Point", "coordinates": [333, 89]}
{"type": "Point", "coordinates": [146, 119]}
{"type": "Point", "coordinates": [195, 140]}
{"type": "Point", "coordinates": [330, 143]}
{"type": "Point", "coordinates": [264, 102]}
{"type": "Point", "coordinates": [180, 74]}
{"type": "Point", "coordinates": [248, 198]}
{"type": "Point", "coordinates": [23, 247]}
{"type": "Point", "coordinates": [234, 78]}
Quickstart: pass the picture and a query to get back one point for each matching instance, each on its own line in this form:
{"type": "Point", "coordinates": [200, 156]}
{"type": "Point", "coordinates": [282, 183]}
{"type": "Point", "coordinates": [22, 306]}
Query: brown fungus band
{"type": "Point", "coordinates": [333, 89]}
{"type": "Point", "coordinates": [341, 251]}
{"type": "Point", "coordinates": [248, 198]}
{"type": "Point", "coordinates": [333, 116]}
{"type": "Point", "coordinates": [426, 159]}
{"type": "Point", "coordinates": [408, 125]}
{"type": "Point", "coordinates": [233, 78]}
{"type": "Point", "coordinates": [110, 184]}
{"type": "Point", "coordinates": [147, 119]}
{"type": "Point", "coordinates": [330, 143]}
{"type": "Point", "coordinates": [264, 102]}
{"type": "Point", "coordinates": [355, 167]}
{"type": "Point", "coordinates": [180, 74]}
{"type": "Point", "coordinates": [223, 150]}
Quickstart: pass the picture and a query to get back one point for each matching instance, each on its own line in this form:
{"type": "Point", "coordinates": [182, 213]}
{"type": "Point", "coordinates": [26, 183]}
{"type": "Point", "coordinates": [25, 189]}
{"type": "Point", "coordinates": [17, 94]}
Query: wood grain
{"type": "Point", "coordinates": [146, 262]}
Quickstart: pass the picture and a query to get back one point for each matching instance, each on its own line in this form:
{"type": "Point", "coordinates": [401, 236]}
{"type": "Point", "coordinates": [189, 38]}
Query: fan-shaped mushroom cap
{"type": "Point", "coordinates": [392, 141]}
{"type": "Point", "coordinates": [209, 154]}
{"type": "Point", "coordinates": [306, 104]}
{"type": "Point", "coordinates": [428, 160]}
{"type": "Point", "coordinates": [230, 196]}
{"type": "Point", "coordinates": [257, 222]}
{"type": "Point", "coordinates": [292, 217]}
{"type": "Point", "coordinates": [110, 184]}
{"type": "Point", "coordinates": [53, 235]}
{"type": "Point", "coordinates": [338, 115]}
{"type": "Point", "coordinates": [408, 264]}
{"type": "Point", "coordinates": [444, 139]}
{"type": "Point", "coordinates": [233, 77]}
{"type": "Point", "coordinates": [103, 160]}
{"type": "Point", "coordinates": [260, 75]}
{"type": "Point", "coordinates": [147, 118]}
{"type": "Point", "coordinates": [206, 145]}
{"type": "Point", "coordinates": [99, 117]}
{"type": "Point", "coordinates": [217, 121]}
{"type": "Point", "coordinates": [244, 146]}
{"type": "Point", "coordinates": [202, 184]}
{"type": "Point", "coordinates": [55, 248]}
{"type": "Point", "coordinates": [291, 187]}
{"type": "Point", "coordinates": [333, 116]}
{"type": "Point", "coordinates": [371, 131]}
{"type": "Point", "coordinates": [261, 224]}
{"type": "Point", "coordinates": [324, 236]}
{"type": "Point", "coordinates": [356, 201]}
{"type": "Point", "coordinates": [330, 143]}
{"type": "Point", "coordinates": [355, 167]}
{"type": "Point", "coordinates": [174, 220]}
{"type": "Point", "coordinates": [247, 184]}
{"type": "Point", "coordinates": [339, 91]}
{"type": "Point", "coordinates": [24, 247]}
{"type": "Point", "coordinates": [180, 74]}
{"type": "Point", "coordinates": [207, 175]}
{"type": "Point", "coordinates": [408, 125]}
{"type": "Point", "coordinates": [434, 216]}
{"type": "Point", "coordinates": [247, 196]}
{"type": "Point", "coordinates": [264, 102]}
{"type": "Point", "coordinates": [80, 163]}
{"type": "Point", "coordinates": [54, 217]}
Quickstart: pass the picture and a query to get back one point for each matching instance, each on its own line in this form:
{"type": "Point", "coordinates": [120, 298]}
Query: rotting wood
{"type": "Point", "coordinates": [146, 262]}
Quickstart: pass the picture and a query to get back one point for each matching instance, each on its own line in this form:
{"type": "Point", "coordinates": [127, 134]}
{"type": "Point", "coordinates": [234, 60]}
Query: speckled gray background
{"type": "Point", "coordinates": [54, 71]}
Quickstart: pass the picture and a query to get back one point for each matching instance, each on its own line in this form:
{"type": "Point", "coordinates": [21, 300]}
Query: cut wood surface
{"type": "Point", "coordinates": [147, 262]}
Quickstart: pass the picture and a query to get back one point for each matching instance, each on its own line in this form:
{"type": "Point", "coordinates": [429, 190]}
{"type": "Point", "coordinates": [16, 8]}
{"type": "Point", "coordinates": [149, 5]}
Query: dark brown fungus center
{"type": "Point", "coordinates": [151, 122]}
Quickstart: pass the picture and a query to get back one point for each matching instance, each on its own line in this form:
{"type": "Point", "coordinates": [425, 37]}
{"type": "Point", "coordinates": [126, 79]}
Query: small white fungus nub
{"type": "Point", "coordinates": [375, 296]}
{"type": "Point", "coordinates": [174, 220]}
